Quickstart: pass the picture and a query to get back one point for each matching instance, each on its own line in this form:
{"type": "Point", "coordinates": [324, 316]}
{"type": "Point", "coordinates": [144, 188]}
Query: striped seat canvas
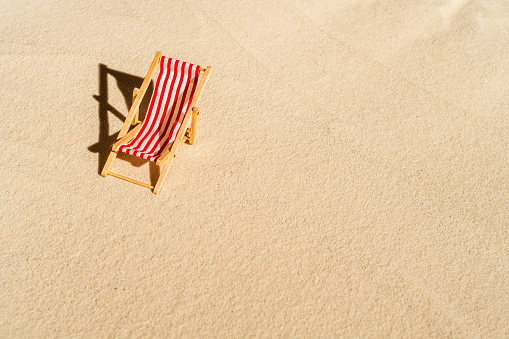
{"type": "Point", "coordinates": [174, 91]}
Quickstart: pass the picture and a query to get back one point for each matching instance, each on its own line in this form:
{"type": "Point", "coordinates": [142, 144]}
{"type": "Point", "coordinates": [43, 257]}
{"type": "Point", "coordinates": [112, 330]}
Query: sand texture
{"type": "Point", "coordinates": [350, 176]}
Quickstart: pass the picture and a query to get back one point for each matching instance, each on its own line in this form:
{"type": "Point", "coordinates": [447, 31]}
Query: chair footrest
{"type": "Point", "coordinates": [131, 180]}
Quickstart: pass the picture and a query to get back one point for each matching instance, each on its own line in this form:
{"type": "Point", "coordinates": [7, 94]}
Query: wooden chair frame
{"type": "Point", "coordinates": [184, 134]}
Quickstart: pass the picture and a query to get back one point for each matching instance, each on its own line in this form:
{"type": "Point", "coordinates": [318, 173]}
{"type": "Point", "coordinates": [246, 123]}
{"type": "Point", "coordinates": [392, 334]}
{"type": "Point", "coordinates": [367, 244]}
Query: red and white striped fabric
{"type": "Point", "coordinates": [173, 93]}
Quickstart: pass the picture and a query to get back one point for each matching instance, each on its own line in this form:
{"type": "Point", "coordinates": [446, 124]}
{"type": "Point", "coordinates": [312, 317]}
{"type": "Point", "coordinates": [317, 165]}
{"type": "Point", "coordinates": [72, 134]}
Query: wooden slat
{"type": "Point", "coordinates": [140, 95]}
{"type": "Point", "coordinates": [137, 112]}
{"type": "Point", "coordinates": [131, 180]}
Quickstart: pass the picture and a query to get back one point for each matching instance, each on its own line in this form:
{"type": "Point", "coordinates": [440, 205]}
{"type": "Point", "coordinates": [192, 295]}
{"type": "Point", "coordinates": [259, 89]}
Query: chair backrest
{"type": "Point", "coordinates": [173, 93]}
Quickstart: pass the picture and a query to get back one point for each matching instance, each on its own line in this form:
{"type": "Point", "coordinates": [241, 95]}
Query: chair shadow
{"type": "Point", "coordinates": [126, 84]}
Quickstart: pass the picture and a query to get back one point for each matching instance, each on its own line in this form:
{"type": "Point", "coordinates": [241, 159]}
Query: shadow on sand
{"type": "Point", "coordinates": [126, 84]}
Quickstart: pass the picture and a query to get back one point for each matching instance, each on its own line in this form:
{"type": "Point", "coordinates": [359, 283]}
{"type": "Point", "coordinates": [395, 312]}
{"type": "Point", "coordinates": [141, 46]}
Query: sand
{"type": "Point", "coordinates": [350, 176]}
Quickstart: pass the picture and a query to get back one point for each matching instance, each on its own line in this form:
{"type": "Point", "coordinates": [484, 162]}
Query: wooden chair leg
{"type": "Point", "coordinates": [162, 176]}
{"type": "Point", "coordinates": [108, 164]}
{"type": "Point", "coordinates": [137, 113]}
{"type": "Point", "coordinates": [194, 126]}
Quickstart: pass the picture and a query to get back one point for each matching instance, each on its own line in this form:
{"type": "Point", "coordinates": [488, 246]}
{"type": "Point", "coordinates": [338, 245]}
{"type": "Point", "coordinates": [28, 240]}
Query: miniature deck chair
{"type": "Point", "coordinates": [164, 129]}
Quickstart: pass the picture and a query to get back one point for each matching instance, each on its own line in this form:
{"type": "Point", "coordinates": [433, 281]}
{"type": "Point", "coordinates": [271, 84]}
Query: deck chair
{"type": "Point", "coordinates": [164, 128]}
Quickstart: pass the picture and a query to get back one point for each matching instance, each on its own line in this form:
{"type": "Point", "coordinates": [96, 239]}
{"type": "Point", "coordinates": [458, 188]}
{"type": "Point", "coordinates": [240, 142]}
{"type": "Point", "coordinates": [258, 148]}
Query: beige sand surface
{"type": "Point", "coordinates": [350, 177]}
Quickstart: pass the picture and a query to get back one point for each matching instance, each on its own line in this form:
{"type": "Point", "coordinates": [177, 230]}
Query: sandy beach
{"type": "Point", "coordinates": [350, 176]}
